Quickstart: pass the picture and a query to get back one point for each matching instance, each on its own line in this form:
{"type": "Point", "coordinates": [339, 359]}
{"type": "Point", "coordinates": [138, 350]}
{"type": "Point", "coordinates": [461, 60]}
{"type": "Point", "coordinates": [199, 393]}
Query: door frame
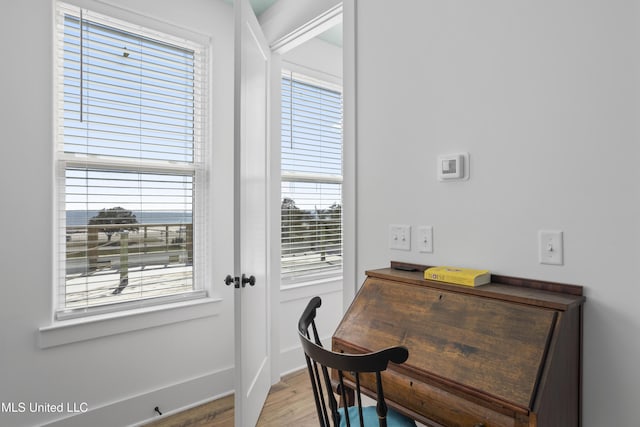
{"type": "Point", "coordinates": [345, 11]}
{"type": "Point", "coordinates": [351, 277]}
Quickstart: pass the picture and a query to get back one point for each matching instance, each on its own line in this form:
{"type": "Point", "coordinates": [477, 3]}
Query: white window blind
{"type": "Point", "coordinates": [129, 143]}
{"type": "Point", "coordinates": [311, 189]}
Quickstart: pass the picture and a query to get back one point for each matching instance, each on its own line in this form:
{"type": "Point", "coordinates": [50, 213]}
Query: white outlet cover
{"type": "Point", "coordinates": [425, 239]}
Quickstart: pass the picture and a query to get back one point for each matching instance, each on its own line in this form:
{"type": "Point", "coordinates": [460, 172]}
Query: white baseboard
{"type": "Point", "coordinates": [292, 359]}
{"type": "Point", "coordinates": [138, 410]}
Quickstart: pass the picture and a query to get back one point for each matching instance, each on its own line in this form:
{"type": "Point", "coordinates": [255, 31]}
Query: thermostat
{"type": "Point", "coordinates": [453, 167]}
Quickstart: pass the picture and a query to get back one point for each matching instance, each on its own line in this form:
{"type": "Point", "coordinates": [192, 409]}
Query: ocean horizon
{"type": "Point", "coordinates": [81, 217]}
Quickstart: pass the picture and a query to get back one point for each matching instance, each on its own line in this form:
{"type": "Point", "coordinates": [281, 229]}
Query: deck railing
{"type": "Point", "coordinates": [94, 247]}
{"type": "Point", "coordinates": [115, 263]}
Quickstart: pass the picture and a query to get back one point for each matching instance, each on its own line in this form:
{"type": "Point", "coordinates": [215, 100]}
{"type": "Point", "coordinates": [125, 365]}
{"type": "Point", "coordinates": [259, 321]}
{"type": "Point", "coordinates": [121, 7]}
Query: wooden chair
{"type": "Point", "coordinates": [320, 360]}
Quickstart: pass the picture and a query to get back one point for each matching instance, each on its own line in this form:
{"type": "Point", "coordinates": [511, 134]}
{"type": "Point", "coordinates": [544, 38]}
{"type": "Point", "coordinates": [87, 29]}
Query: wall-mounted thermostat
{"type": "Point", "coordinates": [453, 167]}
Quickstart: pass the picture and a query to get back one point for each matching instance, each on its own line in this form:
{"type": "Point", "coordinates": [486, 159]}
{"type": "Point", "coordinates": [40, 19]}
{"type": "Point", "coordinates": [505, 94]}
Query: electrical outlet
{"type": "Point", "coordinates": [425, 238]}
{"type": "Point", "coordinates": [550, 247]}
{"type": "Point", "coordinates": [400, 237]}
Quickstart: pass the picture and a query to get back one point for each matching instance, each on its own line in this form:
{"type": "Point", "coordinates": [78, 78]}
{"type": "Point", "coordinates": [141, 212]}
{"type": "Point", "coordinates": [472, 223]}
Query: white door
{"type": "Point", "coordinates": [252, 301]}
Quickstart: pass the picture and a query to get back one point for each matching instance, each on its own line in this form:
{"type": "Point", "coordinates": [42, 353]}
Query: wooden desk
{"type": "Point", "coordinates": [503, 354]}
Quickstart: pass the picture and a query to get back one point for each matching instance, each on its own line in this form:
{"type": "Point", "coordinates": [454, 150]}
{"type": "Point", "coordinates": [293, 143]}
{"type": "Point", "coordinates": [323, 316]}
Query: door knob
{"type": "Point", "coordinates": [251, 280]}
{"type": "Point", "coordinates": [229, 280]}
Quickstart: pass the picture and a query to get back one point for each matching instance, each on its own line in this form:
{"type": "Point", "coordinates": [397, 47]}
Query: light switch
{"type": "Point", "coordinates": [400, 237]}
{"type": "Point", "coordinates": [550, 247]}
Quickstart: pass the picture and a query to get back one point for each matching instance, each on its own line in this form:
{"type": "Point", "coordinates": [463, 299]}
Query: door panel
{"type": "Point", "coordinates": [252, 302]}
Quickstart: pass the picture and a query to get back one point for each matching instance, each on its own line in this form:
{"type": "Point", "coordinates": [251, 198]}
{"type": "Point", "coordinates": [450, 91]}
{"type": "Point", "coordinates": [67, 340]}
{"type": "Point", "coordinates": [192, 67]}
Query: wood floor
{"type": "Point", "coordinates": [290, 403]}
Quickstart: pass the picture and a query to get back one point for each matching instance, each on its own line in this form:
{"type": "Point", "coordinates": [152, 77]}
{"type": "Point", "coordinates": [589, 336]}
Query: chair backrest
{"type": "Point", "coordinates": [320, 360]}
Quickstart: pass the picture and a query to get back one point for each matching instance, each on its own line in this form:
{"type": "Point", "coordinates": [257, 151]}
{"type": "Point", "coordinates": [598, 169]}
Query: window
{"type": "Point", "coordinates": [311, 186]}
{"type": "Point", "coordinates": [129, 146]}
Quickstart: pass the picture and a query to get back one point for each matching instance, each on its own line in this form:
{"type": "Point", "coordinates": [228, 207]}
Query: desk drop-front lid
{"type": "Point", "coordinates": [477, 344]}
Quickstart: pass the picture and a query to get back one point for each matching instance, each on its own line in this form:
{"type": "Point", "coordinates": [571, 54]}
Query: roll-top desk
{"type": "Point", "coordinates": [503, 354]}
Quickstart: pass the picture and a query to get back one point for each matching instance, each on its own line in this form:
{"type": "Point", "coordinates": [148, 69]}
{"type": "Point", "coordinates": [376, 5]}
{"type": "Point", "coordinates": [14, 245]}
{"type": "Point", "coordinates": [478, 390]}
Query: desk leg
{"type": "Point", "coordinates": [349, 394]}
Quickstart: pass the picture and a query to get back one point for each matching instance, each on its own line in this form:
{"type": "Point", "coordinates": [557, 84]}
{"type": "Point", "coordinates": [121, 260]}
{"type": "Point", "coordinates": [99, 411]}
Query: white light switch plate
{"type": "Point", "coordinates": [400, 237]}
{"type": "Point", "coordinates": [550, 247]}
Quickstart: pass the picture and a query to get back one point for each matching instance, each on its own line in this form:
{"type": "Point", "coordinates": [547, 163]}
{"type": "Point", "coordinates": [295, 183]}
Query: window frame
{"type": "Point", "coordinates": [332, 83]}
{"type": "Point", "coordinates": [198, 169]}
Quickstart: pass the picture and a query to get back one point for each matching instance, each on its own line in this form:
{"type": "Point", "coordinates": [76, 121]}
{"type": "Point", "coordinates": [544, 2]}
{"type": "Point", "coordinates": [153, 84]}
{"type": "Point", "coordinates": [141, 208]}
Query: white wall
{"type": "Point", "coordinates": [172, 358]}
{"type": "Point", "coordinates": [544, 97]}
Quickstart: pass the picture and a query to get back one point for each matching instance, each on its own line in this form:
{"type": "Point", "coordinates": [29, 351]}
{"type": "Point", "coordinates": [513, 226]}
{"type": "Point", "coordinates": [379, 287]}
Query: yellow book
{"type": "Point", "coordinates": [458, 276]}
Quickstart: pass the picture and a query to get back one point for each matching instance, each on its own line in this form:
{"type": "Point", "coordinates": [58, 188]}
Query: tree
{"type": "Point", "coordinates": [330, 229]}
{"type": "Point", "coordinates": [315, 231]}
{"type": "Point", "coordinates": [114, 216]}
{"type": "Point", "coordinates": [290, 218]}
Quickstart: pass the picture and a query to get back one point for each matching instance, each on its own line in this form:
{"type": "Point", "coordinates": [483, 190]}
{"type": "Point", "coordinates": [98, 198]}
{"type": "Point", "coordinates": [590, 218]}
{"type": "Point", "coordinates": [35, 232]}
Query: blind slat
{"type": "Point", "coordinates": [130, 125]}
{"type": "Point", "coordinates": [311, 162]}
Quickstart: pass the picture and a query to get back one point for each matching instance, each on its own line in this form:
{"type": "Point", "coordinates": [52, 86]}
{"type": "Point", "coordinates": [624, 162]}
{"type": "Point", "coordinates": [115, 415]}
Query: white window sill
{"type": "Point", "coordinates": [87, 328]}
{"type": "Point", "coordinates": [299, 290]}
{"type": "Point", "coordinates": [304, 282]}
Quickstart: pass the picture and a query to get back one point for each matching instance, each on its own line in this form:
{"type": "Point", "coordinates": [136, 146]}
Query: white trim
{"type": "Point", "coordinates": [87, 328]}
{"type": "Point", "coordinates": [75, 313]}
{"type": "Point", "coordinates": [275, 217]}
{"type": "Point", "coordinates": [295, 176]}
{"type": "Point", "coordinates": [305, 290]}
{"type": "Point", "coordinates": [311, 177]}
{"type": "Point", "coordinates": [133, 17]}
{"type": "Point", "coordinates": [350, 148]}
{"type": "Point", "coordinates": [134, 22]}
{"type": "Point", "coordinates": [171, 399]}
{"type": "Point", "coordinates": [74, 160]}
{"type": "Point", "coordinates": [308, 30]}
{"type": "Point", "coordinates": [312, 76]}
